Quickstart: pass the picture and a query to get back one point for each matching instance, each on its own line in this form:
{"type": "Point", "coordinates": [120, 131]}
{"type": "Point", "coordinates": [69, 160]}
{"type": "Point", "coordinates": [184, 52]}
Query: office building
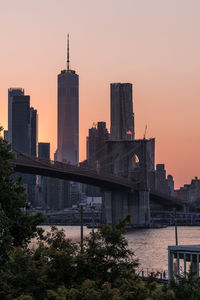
{"type": "Point", "coordinates": [34, 131]}
{"type": "Point", "coordinates": [68, 115]}
{"type": "Point", "coordinates": [23, 126]}
{"type": "Point", "coordinates": [96, 152]}
{"type": "Point", "coordinates": [44, 153]}
{"type": "Point", "coordinates": [68, 132]}
{"type": "Point", "coordinates": [20, 127]}
{"type": "Point", "coordinates": [96, 139]}
{"type": "Point", "coordinates": [162, 184]}
{"type": "Point", "coordinates": [44, 150]}
{"type": "Point", "coordinates": [22, 133]}
{"type": "Point", "coordinates": [190, 193]}
{"type": "Point", "coordinates": [50, 190]}
{"type": "Point", "coordinates": [11, 93]}
{"type": "Point", "coordinates": [121, 110]}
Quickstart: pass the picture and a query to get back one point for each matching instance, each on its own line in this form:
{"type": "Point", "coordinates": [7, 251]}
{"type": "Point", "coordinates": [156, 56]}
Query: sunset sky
{"type": "Point", "coordinates": [154, 44]}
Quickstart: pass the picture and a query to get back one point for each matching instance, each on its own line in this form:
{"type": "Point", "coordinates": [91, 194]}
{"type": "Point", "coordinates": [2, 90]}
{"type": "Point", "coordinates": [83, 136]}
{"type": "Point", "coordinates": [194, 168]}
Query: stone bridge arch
{"type": "Point", "coordinates": [120, 155]}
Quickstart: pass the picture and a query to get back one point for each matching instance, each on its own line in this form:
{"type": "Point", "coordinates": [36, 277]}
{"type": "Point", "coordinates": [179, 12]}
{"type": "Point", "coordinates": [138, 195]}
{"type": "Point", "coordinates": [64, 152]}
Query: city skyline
{"type": "Point", "coordinates": [156, 48]}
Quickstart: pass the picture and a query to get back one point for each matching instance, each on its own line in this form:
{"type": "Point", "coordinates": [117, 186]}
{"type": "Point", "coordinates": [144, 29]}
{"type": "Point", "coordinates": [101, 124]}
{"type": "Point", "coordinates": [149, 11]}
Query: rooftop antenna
{"type": "Point", "coordinates": [145, 132]}
{"type": "Point", "coordinates": [68, 52]}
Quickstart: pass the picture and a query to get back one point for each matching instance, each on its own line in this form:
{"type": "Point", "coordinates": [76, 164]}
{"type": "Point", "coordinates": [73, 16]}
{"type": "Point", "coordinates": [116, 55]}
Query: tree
{"type": "Point", "coordinates": [16, 226]}
{"type": "Point", "coordinates": [186, 287]}
{"type": "Point", "coordinates": [106, 256]}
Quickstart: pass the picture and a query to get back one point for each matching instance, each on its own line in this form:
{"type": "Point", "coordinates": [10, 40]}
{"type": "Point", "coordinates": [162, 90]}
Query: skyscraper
{"type": "Point", "coordinates": [96, 140]}
{"type": "Point", "coordinates": [43, 152]}
{"type": "Point", "coordinates": [11, 93]}
{"type": "Point", "coordinates": [34, 131]}
{"type": "Point", "coordinates": [121, 110]}
{"type": "Point", "coordinates": [22, 133]}
{"type": "Point", "coordinates": [68, 115]}
{"type": "Point", "coordinates": [96, 152]}
{"type": "Point", "coordinates": [20, 127]}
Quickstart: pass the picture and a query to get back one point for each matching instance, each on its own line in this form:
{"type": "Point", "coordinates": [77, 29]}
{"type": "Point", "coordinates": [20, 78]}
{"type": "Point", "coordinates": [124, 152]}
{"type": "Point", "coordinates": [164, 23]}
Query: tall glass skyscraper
{"type": "Point", "coordinates": [22, 132]}
{"type": "Point", "coordinates": [121, 111]}
{"type": "Point", "coordinates": [21, 124]}
{"type": "Point", "coordinates": [11, 93]}
{"type": "Point", "coordinates": [68, 115]}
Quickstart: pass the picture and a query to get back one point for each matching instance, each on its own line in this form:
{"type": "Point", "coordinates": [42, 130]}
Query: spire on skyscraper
{"type": "Point", "coordinates": [68, 52]}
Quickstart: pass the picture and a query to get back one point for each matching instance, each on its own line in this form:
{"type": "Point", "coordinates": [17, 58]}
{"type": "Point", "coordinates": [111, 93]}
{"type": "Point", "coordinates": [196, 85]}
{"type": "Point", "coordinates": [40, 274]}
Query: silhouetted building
{"type": "Point", "coordinates": [91, 143]}
{"type": "Point", "coordinates": [53, 193]}
{"type": "Point", "coordinates": [68, 115]}
{"type": "Point", "coordinates": [24, 126]}
{"type": "Point", "coordinates": [21, 124]}
{"type": "Point", "coordinates": [34, 131]}
{"type": "Point", "coordinates": [22, 133]}
{"type": "Point", "coordinates": [58, 193]}
{"type": "Point", "coordinates": [43, 152]}
{"type": "Point", "coordinates": [11, 93]}
{"type": "Point", "coordinates": [68, 132]}
{"type": "Point", "coordinates": [170, 182]}
{"type": "Point", "coordinates": [190, 193]}
{"type": "Point", "coordinates": [162, 184]}
{"type": "Point", "coordinates": [121, 110]}
{"type": "Point", "coordinates": [5, 135]}
{"type": "Point", "coordinates": [96, 152]}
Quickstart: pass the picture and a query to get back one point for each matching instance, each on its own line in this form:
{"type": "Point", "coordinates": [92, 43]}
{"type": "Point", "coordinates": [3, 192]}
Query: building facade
{"type": "Point", "coordinates": [190, 193]}
{"type": "Point", "coordinates": [121, 111]}
{"type": "Point", "coordinates": [11, 93]}
{"type": "Point", "coordinates": [96, 150]}
{"type": "Point", "coordinates": [67, 133]}
{"type": "Point", "coordinates": [20, 127]}
{"type": "Point", "coordinates": [33, 131]}
{"type": "Point", "coordinates": [42, 200]}
{"type": "Point", "coordinates": [68, 115]}
{"type": "Point", "coordinates": [22, 133]}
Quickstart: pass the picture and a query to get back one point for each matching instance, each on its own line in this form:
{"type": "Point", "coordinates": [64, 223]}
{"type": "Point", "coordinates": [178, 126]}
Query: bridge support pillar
{"type": "Point", "coordinates": [144, 210]}
{"type": "Point", "coordinates": [117, 204]}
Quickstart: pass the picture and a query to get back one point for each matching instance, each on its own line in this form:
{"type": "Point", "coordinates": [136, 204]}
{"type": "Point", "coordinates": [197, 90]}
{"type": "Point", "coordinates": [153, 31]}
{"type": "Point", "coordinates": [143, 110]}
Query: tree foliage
{"type": "Point", "coordinates": [16, 226]}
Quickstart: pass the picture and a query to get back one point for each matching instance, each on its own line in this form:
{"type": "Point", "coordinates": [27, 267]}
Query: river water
{"type": "Point", "coordinates": [149, 245]}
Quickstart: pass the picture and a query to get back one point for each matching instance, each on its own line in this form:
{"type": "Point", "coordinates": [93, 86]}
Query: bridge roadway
{"type": "Point", "coordinates": [55, 169]}
{"type": "Point", "coordinates": [49, 168]}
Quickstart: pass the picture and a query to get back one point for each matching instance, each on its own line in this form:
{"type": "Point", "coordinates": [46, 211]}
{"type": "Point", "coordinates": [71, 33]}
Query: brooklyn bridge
{"type": "Point", "coordinates": [125, 189]}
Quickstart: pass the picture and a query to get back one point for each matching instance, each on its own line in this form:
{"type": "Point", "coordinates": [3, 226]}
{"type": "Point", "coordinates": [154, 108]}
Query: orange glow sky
{"type": "Point", "coordinates": [154, 44]}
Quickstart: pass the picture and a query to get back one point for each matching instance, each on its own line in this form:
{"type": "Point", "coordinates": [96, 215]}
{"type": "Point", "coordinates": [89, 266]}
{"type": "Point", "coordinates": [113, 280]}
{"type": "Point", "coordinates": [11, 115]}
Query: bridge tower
{"type": "Point", "coordinates": [131, 159]}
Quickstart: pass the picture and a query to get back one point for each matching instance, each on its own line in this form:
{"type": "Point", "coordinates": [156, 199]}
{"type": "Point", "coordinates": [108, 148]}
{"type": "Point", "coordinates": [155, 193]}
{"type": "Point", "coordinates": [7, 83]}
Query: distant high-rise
{"type": "Point", "coordinates": [20, 127]}
{"type": "Point", "coordinates": [34, 131]}
{"type": "Point", "coordinates": [43, 152]}
{"type": "Point", "coordinates": [11, 93]}
{"type": "Point", "coordinates": [121, 110]}
{"type": "Point", "coordinates": [96, 152]}
{"type": "Point", "coordinates": [68, 115]}
{"type": "Point", "coordinates": [22, 132]}
{"type": "Point", "coordinates": [96, 139]}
